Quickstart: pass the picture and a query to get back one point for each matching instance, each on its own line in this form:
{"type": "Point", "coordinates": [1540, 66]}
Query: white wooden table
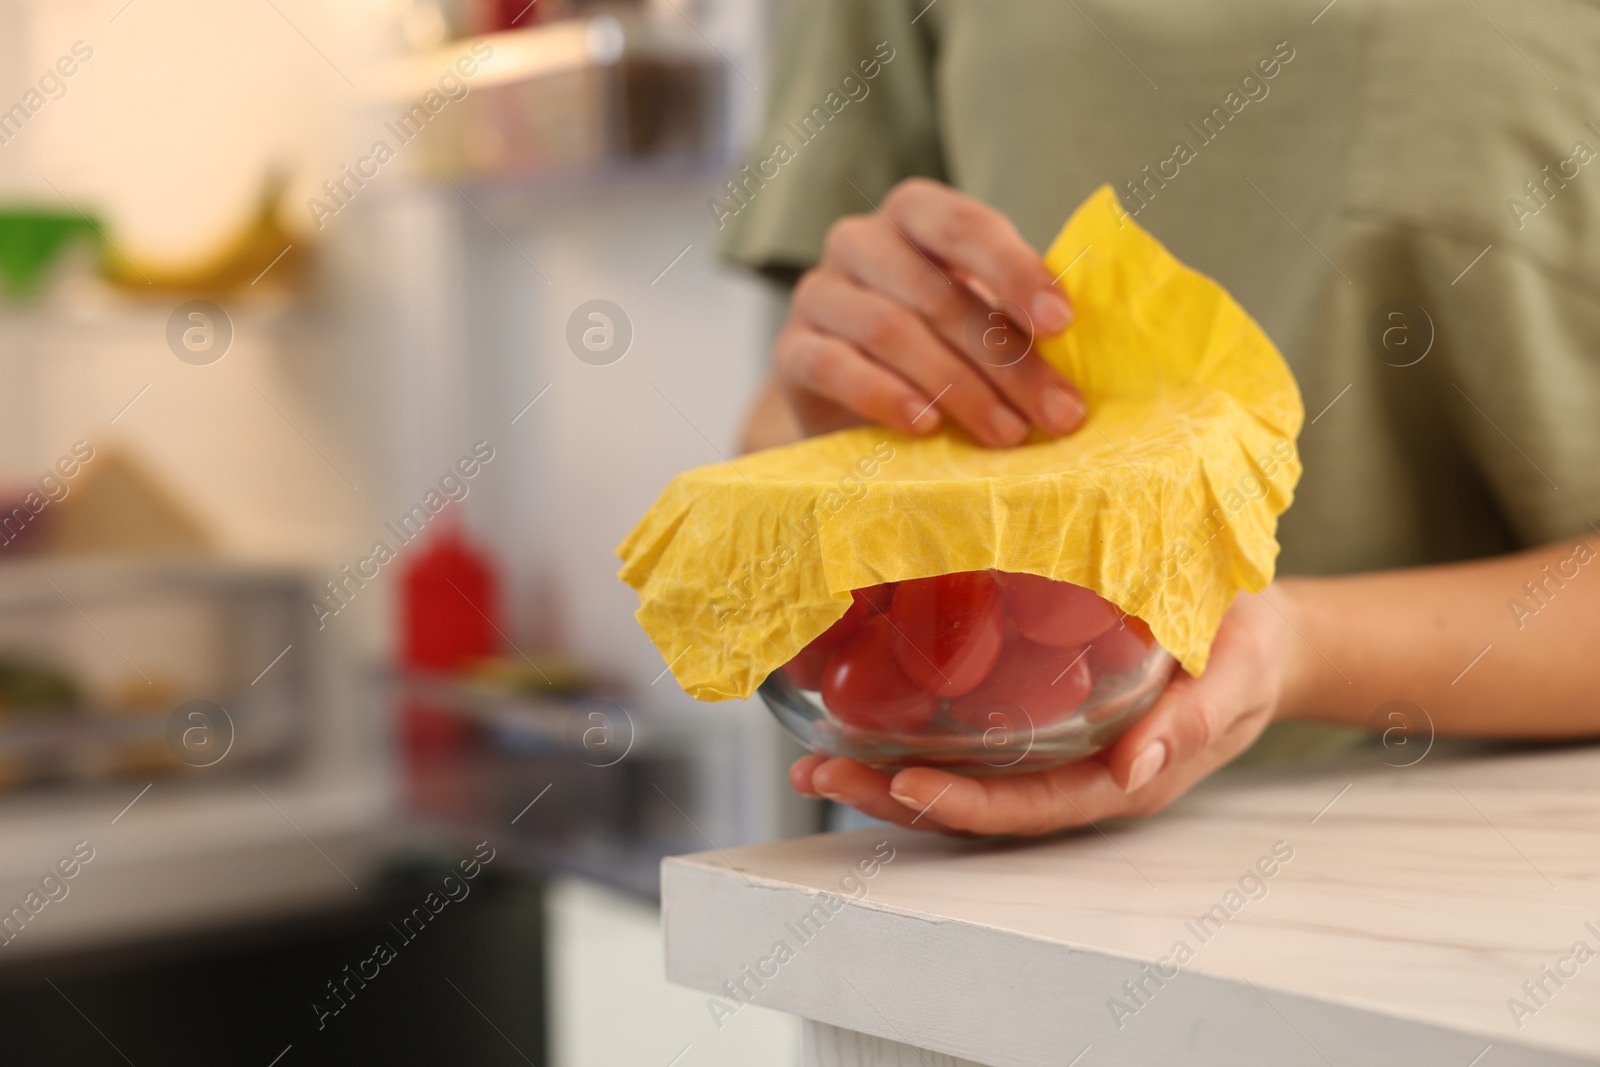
{"type": "Point", "coordinates": [1404, 911]}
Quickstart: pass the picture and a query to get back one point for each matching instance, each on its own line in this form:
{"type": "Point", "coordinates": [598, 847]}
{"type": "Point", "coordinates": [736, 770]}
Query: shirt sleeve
{"type": "Point", "coordinates": [850, 111]}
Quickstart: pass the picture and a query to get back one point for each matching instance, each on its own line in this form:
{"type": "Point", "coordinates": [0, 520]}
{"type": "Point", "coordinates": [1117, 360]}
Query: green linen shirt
{"type": "Point", "coordinates": [1404, 193]}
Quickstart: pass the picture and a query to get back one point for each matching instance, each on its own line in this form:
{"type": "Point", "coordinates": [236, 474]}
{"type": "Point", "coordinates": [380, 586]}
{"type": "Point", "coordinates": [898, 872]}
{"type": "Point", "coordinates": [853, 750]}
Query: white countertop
{"type": "Point", "coordinates": [1413, 908]}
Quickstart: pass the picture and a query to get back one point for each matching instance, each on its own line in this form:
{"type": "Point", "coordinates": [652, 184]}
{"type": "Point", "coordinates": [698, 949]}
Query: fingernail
{"type": "Point", "coordinates": [1146, 765]}
{"type": "Point", "coordinates": [1007, 427]}
{"type": "Point", "coordinates": [835, 797]}
{"type": "Point", "coordinates": [1061, 415]}
{"type": "Point", "coordinates": [922, 417]}
{"type": "Point", "coordinates": [910, 802]}
{"type": "Point", "coordinates": [1051, 313]}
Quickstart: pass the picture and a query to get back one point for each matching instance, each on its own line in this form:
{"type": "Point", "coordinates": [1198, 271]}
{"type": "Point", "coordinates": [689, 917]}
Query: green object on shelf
{"type": "Point", "coordinates": [30, 242]}
{"type": "Point", "coordinates": [30, 688]}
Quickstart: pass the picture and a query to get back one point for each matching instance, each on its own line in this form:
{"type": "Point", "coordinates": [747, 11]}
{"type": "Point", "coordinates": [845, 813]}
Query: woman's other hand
{"type": "Point", "coordinates": [898, 324]}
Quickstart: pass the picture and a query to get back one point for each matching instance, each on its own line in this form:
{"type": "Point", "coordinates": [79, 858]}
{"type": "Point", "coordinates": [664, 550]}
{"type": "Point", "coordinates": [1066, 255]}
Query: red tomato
{"type": "Point", "coordinates": [1122, 648]}
{"type": "Point", "coordinates": [877, 596]}
{"type": "Point", "coordinates": [1058, 614]}
{"type": "Point", "coordinates": [865, 688]}
{"type": "Point", "coordinates": [1048, 684]}
{"type": "Point", "coordinates": [806, 669]}
{"type": "Point", "coordinates": [864, 604]}
{"type": "Point", "coordinates": [950, 630]}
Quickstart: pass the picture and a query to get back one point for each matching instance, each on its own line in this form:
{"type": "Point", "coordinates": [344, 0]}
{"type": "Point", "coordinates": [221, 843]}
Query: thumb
{"type": "Point", "coordinates": [1187, 716]}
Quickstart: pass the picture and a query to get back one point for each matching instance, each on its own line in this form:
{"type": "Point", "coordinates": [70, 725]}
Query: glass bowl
{"type": "Point", "coordinates": [979, 672]}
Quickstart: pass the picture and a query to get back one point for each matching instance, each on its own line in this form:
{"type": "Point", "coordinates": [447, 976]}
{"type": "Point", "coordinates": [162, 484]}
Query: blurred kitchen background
{"type": "Point", "coordinates": [308, 606]}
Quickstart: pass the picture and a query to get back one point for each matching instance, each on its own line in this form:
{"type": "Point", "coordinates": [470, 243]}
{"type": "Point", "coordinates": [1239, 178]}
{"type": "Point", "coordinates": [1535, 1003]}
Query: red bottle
{"type": "Point", "coordinates": [449, 618]}
{"type": "Point", "coordinates": [450, 608]}
{"type": "Point", "coordinates": [497, 16]}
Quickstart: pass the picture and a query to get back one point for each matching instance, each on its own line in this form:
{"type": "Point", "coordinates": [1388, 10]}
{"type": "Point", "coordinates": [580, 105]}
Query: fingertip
{"type": "Point", "coordinates": [825, 775]}
{"type": "Point", "coordinates": [919, 787]}
{"type": "Point", "coordinates": [801, 772]}
{"type": "Point", "coordinates": [1174, 731]}
{"type": "Point", "coordinates": [1150, 761]}
{"type": "Point", "coordinates": [921, 418]}
{"type": "Point", "coordinates": [1150, 740]}
{"type": "Point", "coordinates": [842, 779]}
{"type": "Point", "coordinates": [1120, 754]}
{"type": "Point", "coordinates": [1006, 427]}
{"type": "Point", "coordinates": [1051, 312]}
{"type": "Point", "coordinates": [1062, 408]}
{"type": "Point", "coordinates": [921, 776]}
{"type": "Point", "coordinates": [849, 782]}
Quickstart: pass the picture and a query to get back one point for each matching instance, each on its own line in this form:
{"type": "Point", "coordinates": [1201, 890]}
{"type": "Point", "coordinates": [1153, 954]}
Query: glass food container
{"type": "Point", "coordinates": [980, 672]}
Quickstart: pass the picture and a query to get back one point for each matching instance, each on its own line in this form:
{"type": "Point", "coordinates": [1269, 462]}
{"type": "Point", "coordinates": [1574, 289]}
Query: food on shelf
{"type": "Point", "coordinates": [537, 674]}
{"type": "Point", "coordinates": [143, 694]}
{"type": "Point", "coordinates": [29, 687]}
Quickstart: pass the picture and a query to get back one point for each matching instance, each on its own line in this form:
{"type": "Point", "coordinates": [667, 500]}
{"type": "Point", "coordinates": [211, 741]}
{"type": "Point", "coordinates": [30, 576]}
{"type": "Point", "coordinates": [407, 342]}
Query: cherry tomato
{"type": "Point", "coordinates": [864, 604]}
{"type": "Point", "coordinates": [950, 630]}
{"type": "Point", "coordinates": [807, 667]}
{"type": "Point", "coordinates": [1058, 614]}
{"type": "Point", "coordinates": [865, 687]}
{"type": "Point", "coordinates": [1047, 684]}
{"type": "Point", "coordinates": [1121, 648]}
{"type": "Point", "coordinates": [878, 597]}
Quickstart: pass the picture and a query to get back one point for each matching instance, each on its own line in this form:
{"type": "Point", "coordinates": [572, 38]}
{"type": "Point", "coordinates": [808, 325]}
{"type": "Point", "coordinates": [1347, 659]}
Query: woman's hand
{"type": "Point", "coordinates": [898, 324]}
{"type": "Point", "coordinates": [1196, 726]}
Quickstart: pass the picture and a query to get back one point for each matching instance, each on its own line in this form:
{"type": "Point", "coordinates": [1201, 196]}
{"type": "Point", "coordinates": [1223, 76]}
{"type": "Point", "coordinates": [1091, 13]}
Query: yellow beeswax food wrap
{"type": "Point", "coordinates": [1165, 503]}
